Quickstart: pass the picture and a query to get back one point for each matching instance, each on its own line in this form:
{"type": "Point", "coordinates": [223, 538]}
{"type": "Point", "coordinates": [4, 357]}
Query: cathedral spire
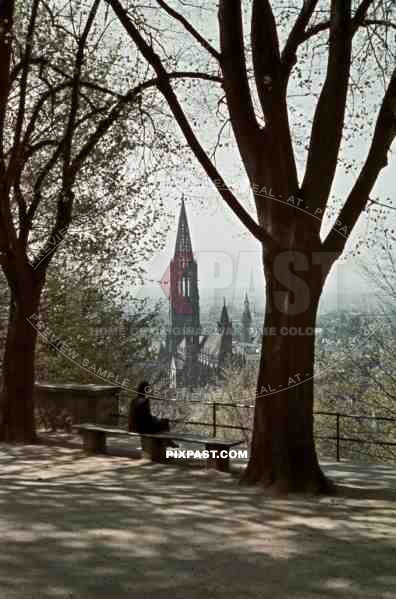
{"type": "Point", "coordinates": [224, 327]}
{"type": "Point", "coordinates": [183, 239]}
{"type": "Point", "coordinates": [246, 321]}
{"type": "Point", "coordinates": [184, 301]}
{"type": "Point", "coordinates": [225, 324]}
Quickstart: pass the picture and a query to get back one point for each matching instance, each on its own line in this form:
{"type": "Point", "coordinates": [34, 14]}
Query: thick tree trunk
{"type": "Point", "coordinates": [283, 454]}
{"type": "Point", "coordinates": [17, 422]}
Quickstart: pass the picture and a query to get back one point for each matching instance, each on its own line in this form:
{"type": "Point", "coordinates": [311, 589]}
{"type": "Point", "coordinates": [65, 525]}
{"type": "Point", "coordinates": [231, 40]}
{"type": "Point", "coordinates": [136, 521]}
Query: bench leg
{"type": "Point", "coordinates": [94, 441]}
{"type": "Point", "coordinates": [154, 449]}
{"type": "Point", "coordinates": [217, 462]}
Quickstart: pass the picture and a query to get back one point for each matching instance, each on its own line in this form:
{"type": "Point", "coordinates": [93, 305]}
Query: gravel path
{"type": "Point", "coordinates": [77, 527]}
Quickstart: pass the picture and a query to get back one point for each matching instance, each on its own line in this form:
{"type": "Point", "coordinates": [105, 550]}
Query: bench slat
{"type": "Point", "coordinates": [101, 429]}
{"type": "Point", "coordinates": [190, 438]}
{"type": "Point", "coordinates": [187, 438]}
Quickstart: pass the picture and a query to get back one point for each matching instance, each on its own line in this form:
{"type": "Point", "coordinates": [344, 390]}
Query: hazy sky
{"type": "Point", "coordinates": [229, 258]}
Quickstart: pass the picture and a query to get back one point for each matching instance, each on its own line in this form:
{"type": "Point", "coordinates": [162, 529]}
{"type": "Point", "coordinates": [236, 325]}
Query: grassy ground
{"type": "Point", "coordinates": [81, 527]}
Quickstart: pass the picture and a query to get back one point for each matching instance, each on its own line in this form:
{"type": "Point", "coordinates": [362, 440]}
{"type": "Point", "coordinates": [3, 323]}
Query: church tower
{"type": "Point", "coordinates": [224, 327]}
{"type": "Point", "coordinates": [184, 300]}
{"type": "Point", "coordinates": [246, 322]}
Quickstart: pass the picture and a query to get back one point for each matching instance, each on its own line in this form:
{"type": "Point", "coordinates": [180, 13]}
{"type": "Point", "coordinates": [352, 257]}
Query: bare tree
{"type": "Point", "coordinates": [256, 75]}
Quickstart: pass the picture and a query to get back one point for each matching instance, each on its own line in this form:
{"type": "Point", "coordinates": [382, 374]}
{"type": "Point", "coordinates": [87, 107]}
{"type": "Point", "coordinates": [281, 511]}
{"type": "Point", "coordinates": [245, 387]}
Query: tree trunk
{"type": "Point", "coordinates": [283, 454]}
{"type": "Point", "coordinates": [17, 406]}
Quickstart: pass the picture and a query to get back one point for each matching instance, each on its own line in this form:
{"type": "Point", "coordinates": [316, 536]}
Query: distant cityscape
{"type": "Point", "coordinates": [201, 332]}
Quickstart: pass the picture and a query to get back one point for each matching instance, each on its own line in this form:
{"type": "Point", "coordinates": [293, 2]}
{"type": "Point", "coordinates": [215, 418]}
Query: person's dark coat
{"type": "Point", "coordinates": [140, 418]}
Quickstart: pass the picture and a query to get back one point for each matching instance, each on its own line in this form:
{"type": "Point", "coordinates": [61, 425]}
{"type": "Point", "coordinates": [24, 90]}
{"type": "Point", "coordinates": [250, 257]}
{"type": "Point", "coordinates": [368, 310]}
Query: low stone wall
{"type": "Point", "coordinates": [58, 407]}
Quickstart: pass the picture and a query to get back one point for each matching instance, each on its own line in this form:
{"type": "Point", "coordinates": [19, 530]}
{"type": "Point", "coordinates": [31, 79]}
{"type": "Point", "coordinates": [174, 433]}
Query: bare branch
{"type": "Point", "coordinates": [236, 83]}
{"type": "Point", "coordinates": [377, 159]}
{"type": "Point", "coordinates": [378, 23]}
{"type": "Point", "coordinates": [314, 30]}
{"type": "Point", "coordinates": [359, 20]}
{"type": "Point", "coordinates": [297, 36]}
{"type": "Point", "coordinates": [187, 25]}
{"type": "Point", "coordinates": [128, 98]}
{"type": "Point", "coordinates": [361, 12]}
{"type": "Point", "coordinates": [45, 63]}
{"type": "Point", "coordinates": [101, 129]}
{"type": "Point", "coordinates": [377, 203]}
{"type": "Point", "coordinates": [166, 89]}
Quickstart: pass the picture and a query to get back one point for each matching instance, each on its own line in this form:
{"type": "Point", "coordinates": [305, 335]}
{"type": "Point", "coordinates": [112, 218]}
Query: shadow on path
{"type": "Point", "coordinates": [81, 527]}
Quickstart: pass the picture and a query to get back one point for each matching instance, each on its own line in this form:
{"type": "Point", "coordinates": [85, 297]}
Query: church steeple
{"type": "Point", "coordinates": [224, 325]}
{"type": "Point", "coordinates": [246, 321]}
{"type": "Point", "coordinates": [194, 359]}
{"type": "Point", "coordinates": [184, 298]}
{"type": "Point", "coordinates": [183, 239]}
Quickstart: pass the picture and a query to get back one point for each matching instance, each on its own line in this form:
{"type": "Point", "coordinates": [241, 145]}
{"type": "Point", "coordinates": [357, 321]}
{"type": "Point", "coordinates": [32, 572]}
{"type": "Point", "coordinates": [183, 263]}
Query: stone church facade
{"type": "Point", "coordinates": [191, 358]}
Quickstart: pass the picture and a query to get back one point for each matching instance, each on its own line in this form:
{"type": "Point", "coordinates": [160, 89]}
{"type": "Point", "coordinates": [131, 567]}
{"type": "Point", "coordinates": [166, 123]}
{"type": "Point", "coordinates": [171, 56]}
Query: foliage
{"type": "Point", "coordinates": [116, 150]}
{"type": "Point", "coordinates": [82, 145]}
{"type": "Point", "coordinates": [101, 332]}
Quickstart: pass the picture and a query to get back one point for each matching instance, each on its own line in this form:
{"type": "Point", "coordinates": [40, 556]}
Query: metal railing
{"type": "Point", "coordinates": [214, 424]}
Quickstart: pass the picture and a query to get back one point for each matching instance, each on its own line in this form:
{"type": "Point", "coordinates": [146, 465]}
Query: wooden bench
{"type": "Point", "coordinates": [154, 445]}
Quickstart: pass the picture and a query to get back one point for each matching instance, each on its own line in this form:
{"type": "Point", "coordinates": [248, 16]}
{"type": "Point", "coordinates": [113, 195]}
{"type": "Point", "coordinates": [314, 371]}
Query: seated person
{"type": "Point", "coordinates": [140, 419]}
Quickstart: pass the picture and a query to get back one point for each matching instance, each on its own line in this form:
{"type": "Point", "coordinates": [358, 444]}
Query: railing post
{"type": "Point", "coordinates": [338, 436]}
{"type": "Point", "coordinates": [214, 420]}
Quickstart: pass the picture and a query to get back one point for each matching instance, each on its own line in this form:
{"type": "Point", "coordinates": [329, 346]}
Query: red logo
{"type": "Point", "coordinates": [175, 286]}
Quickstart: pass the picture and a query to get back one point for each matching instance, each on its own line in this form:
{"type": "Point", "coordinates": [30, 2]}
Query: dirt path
{"type": "Point", "coordinates": [80, 527]}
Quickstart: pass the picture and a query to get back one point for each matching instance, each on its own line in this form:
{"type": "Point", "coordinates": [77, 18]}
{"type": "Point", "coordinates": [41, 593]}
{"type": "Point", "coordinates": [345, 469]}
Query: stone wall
{"type": "Point", "coordinates": [60, 406]}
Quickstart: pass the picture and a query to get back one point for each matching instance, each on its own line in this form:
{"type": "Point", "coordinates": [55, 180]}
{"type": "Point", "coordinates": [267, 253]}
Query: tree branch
{"type": "Point", "coordinates": [166, 89]}
{"type": "Point", "coordinates": [361, 12]}
{"type": "Point", "coordinates": [377, 159]}
{"type": "Point", "coordinates": [40, 181]}
{"type": "Point", "coordinates": [22, 212]}
{"type": "Point", "coordinates": [196, 35]}
{"type": "Point", "coordinates": [266, 54]}
{"type": "Point", "coordinates": [297, 36]}
{"type": "Point", "coordinates": [16, 146]}
{"type": "Point", "coordinates": [236, 84]}
{"type": "Point", "coordinates": [357, 21]}
{"type": "Point", "coordinates": [109, 120]}
{"type": "Point", "coordinates": [6, 34]}
{"type": "Point", "coordinates": [7, 231]}
{"type": "Point", "coordinates": [64, 151]}
{"type": "Point", "coordinates": [328, 122]}
{"type": "Point", "coordinates": [378, 23]}
{"type": "Point", "coordinates": [75, 97]}
{"type": "Point", "coordinates": [36, 112]}
{"type": "Point", "coordinates": [101, 129]}
{"type": "Point", "coordinates": [271, 89]}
